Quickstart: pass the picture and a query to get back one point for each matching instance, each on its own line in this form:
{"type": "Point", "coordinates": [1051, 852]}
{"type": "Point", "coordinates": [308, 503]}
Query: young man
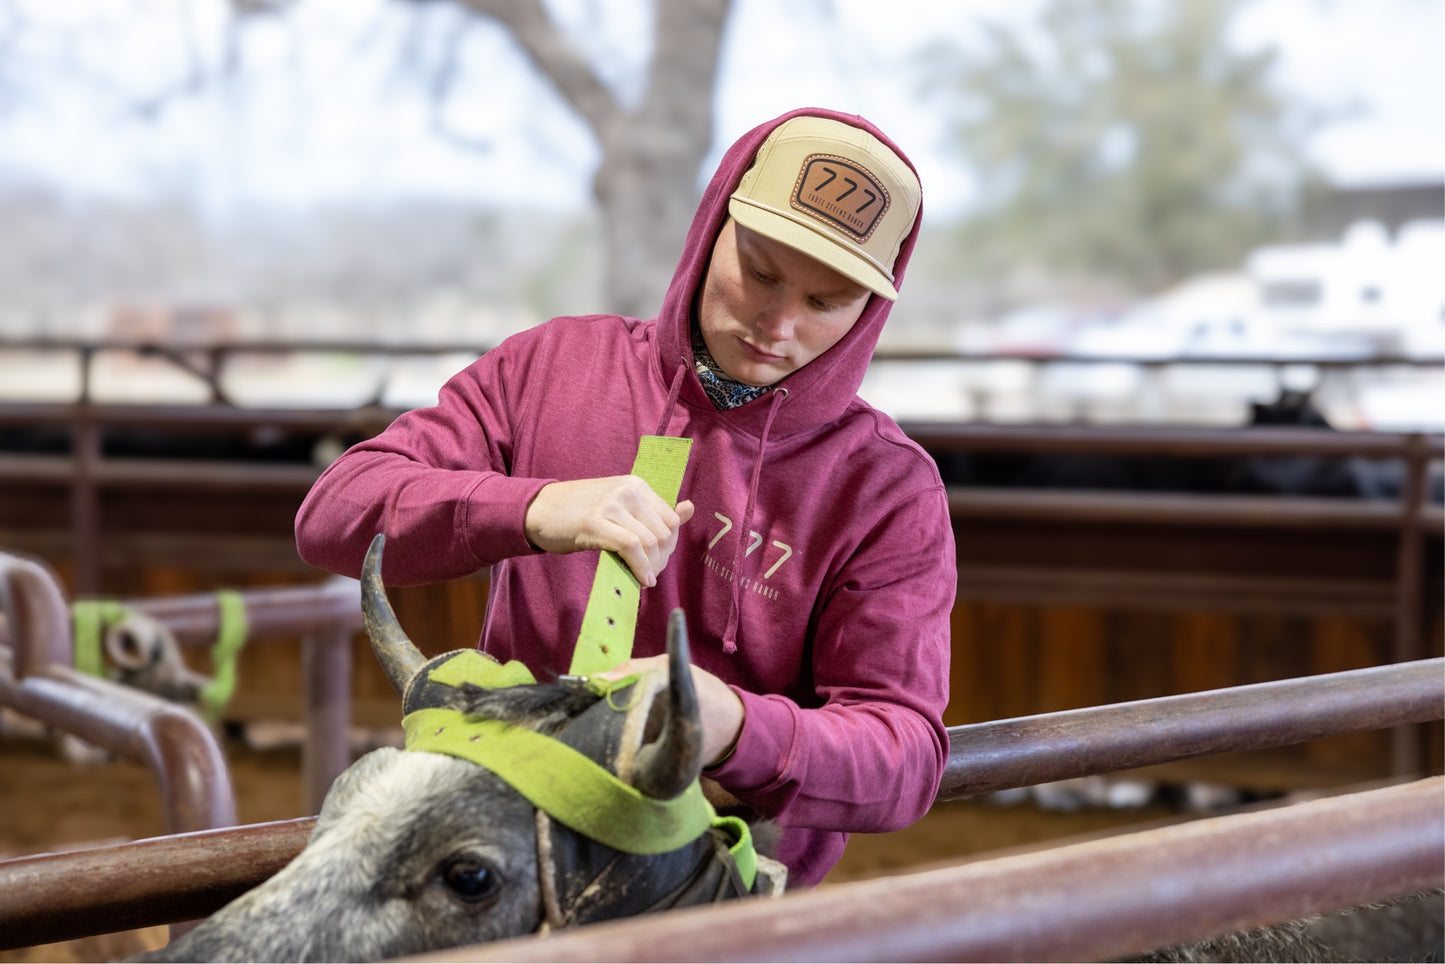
{"type": "Point", "coordinates": [811, 551]}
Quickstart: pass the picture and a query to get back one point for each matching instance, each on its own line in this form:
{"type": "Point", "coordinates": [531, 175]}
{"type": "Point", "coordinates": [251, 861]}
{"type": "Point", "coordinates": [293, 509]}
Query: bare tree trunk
{"type": "Point", "coordinates": [647, 184]}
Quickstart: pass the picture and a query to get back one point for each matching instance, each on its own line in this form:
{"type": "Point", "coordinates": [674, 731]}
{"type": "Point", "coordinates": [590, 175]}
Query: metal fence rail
{"type": "Point", "coordinates": [43, 685]}
{"type": "Point", "coordinates": [326, 617]}
{"type": "Point", "coordinates": [1003, 754]}
{"type": "Point", "coordinates": [1085, 902]}
{"type": "Point", "coordinates": [38, 681]}
{"type": "Point", "coordinates": [55, 897]}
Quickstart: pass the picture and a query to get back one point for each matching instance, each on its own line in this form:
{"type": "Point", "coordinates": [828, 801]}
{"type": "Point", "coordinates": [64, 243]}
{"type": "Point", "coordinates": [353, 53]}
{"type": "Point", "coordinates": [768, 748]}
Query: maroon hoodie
{"type": "Point", "coordinates": [817, 573]}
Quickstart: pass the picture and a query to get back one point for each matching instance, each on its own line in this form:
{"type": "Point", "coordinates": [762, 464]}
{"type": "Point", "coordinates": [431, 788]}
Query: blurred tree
{"type": "Point", "coordinates": [646, 184]}
{"type": "Point", "coordinates": [653, 134]}
{"type": "Point", "coordinates": [1126, 139]}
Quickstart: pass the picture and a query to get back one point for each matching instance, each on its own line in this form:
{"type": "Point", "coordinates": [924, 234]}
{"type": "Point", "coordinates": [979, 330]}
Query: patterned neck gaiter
{"type": "Point", "coordinates": [726, 392]}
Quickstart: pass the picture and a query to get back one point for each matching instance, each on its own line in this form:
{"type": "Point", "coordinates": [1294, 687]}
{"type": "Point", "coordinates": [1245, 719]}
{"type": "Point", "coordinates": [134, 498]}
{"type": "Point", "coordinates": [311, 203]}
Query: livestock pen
{"type": "Point", "coordinates": [1121, 895]}
{"type": "Point", "coordinates": [1067, 599]}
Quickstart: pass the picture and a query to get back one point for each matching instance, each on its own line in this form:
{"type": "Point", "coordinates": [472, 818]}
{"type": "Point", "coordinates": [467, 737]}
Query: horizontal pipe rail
{"type": "Point", "coordinates": [983, 757]}
{"type": "Point", "coordinates": [1161, 508]}
{"type": "Point", "coordinates": [892, 353]}
{"type": "Point", "coordinates": [50, 897]}
{"type": "Point", "coordinates": [1004, 754]}
{"type": "Point", "coordinates": [198, 417]}
{"type": "Point", "coordinates": [377, 346]}
{"type": "Point", "coordinates": [39, 681]}
{"type": "Point", "coordinates": [1083, 902]}
{"type": "Point", "coordinates": [1170, 592]}
{"type": "Point", "coordinates": [188, 765]}
{"type": "Point", "coordinates": [194, 618]}
{"type": "Point", "coordinates": [327, 616]}
{"type": "Point", "coordinates": [1170, 441]}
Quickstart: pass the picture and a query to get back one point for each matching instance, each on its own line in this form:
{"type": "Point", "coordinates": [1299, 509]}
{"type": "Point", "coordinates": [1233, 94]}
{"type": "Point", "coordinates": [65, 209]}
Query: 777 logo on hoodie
{"type": "Point", "coordinates": [755, 539]}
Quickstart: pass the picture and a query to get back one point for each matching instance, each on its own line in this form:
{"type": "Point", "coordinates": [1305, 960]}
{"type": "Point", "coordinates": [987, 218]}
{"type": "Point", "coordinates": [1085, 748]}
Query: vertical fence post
{"type": "Point", "coordinates": [326, 660]}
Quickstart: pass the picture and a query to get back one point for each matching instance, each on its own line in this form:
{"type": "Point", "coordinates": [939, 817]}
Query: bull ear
{"type": "Point", "coordinates": [668, 766]}
{"type": "Point", "coordinates": [398, 656]}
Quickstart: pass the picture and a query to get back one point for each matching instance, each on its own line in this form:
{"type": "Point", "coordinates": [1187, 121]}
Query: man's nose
{"type": "Point", "coordinates": [779, 320]}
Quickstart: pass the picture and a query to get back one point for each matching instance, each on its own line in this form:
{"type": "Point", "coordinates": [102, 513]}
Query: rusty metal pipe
{"type": "Point", "coordinates": [54, 897]}
{"type": "Point", "coordinates": [1411, 690]}
{"type": "Point", "coordinates": [39, 682]}
{"type": "Point", "coordinates": [326, 616]}
{"type": "Point", "coordinates": [188, 765]}
{"type": "Point", "coordinates": [326, 668]}
{"type": "Point", "coordinates": [195, 618]}
{"type": "Point", "coordinates": [1086, 902]}
{"type": "Point", "coordinates": [40, 620]}
{"type": "Point", "coordinates": [1029, 750]}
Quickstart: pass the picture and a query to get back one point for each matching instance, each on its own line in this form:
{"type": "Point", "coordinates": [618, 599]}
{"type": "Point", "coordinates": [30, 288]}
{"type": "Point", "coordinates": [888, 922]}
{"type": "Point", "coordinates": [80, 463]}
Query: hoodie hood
{"type": "Point", "coordinates": [823, 389]}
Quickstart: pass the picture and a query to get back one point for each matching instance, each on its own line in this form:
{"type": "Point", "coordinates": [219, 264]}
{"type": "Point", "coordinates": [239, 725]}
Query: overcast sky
{"type": "Point", "coordinates": [324, 114]}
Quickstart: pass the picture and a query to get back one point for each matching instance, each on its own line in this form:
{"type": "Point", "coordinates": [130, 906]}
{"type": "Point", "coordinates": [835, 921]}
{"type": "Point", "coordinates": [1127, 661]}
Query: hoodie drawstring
{"type": "Point", "coordinates": [730, 635]}
{"type": "Point", "coordinates": [672, 393]}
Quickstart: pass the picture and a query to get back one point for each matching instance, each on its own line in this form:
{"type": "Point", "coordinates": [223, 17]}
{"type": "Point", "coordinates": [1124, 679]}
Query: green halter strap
{"type": "Point", "coordinates": [570, 787]}
{"type": "Point", "coordinates": [561, 781]}
{"type": "Point", "coordinates": [610, 621]}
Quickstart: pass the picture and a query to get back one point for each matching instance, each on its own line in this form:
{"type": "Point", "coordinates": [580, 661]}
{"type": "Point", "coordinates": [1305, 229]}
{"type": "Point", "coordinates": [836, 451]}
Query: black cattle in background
{"type": "Point", "coordinates": [1308, 475]}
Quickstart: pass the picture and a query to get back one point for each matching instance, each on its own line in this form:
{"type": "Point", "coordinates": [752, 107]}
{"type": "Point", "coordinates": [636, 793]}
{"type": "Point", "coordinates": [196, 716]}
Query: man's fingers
{"type": "Point", "coordinates": [621, 514]}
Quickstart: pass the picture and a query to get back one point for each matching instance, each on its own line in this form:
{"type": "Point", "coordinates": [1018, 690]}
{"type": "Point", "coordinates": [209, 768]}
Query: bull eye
{"type": "Point", "coordinates": [470, 879]}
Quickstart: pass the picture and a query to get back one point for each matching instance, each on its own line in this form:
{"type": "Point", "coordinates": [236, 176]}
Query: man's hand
{"type": "Point", "coordinates": [620, 513]}
{"type": "Point", "coordinates": [720, 708]}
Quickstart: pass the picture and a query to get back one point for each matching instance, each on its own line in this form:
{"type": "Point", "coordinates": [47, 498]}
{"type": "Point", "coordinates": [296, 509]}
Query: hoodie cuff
{"type": "Point", "coordinates": [495, 516]}
{"type": "Point", "coordinates": [764, 748]}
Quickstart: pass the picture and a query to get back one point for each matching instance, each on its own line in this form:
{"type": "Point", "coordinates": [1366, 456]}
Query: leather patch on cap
{"type": "Point", "coordinates": [841, 193]}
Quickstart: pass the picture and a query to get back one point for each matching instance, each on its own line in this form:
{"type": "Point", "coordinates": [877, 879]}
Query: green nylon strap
{"type": "Point", "coordinates": [230, 637]}
{"type": "Point", "coordinates": [478, 668]}
{"type": "Point", "coordinates": [618, 816]}
{"type": "Point", "coordinates": [564, 783]}
{"type": "Point", "coordinates": [745, 858]}
{"type": "Point", "coordinates": [610, 621]}
{"type": "Point", "coordinates": [89, 620]}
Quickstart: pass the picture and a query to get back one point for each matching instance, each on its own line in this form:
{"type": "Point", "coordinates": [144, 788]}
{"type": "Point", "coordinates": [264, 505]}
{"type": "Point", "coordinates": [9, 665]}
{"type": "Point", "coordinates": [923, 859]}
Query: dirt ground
{"type": "Point", "coordinates": [49, 804]}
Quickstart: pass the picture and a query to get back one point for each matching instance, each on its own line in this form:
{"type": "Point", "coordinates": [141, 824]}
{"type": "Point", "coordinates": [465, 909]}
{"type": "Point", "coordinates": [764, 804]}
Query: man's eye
{"type": "Point", "coordinates": [762, 276]}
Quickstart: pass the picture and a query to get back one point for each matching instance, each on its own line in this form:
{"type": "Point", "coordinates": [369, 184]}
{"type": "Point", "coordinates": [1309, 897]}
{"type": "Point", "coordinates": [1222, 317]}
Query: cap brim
{"type": "Point", "coordinates": [815, 245]}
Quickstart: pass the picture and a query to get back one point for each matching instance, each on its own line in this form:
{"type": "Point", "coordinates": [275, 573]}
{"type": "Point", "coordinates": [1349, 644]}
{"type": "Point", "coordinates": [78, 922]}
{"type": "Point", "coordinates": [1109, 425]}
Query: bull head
{"type": "Point", "coordinates": [662, 765]}
{"type": "Point", "coordinates": [420, 851]}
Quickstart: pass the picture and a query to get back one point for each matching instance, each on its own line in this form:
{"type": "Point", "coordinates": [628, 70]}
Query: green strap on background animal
{"type": "Point", "coordinates": [230, 637]}
{"type": "Point", "coordinates": [90, 618]}
{"type": "Point", "coordinates": [610, 621]}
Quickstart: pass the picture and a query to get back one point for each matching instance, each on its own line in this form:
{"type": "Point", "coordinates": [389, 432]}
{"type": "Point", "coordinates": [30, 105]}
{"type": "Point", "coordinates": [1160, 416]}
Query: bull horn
{"type": "Point", "coordinates": [398, 656]}
{"type": "Point", "coordinates": [669, 765]}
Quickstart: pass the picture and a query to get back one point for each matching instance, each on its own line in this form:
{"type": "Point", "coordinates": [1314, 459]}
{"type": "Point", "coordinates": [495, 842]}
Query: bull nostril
{"type": "Point", "coordinates": [617, 591]}
{"type": "Point", "coordinates": [439, 731]}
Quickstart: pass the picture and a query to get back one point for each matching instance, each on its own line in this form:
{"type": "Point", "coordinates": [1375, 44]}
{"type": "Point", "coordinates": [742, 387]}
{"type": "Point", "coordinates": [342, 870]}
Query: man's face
{"type": "Point", "coordinates": [768, 309]}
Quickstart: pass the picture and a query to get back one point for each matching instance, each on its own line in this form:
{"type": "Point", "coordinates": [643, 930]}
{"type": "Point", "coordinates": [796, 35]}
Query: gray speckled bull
{"type": "Point", "coordinates": [418, 851]}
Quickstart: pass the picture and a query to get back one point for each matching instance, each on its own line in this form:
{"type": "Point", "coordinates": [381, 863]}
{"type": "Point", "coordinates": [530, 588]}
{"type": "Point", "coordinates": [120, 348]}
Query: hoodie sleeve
{"type": "Point", "coordinates": [436, 481]}
{"type": "Point", "coordinates": [871, 758]}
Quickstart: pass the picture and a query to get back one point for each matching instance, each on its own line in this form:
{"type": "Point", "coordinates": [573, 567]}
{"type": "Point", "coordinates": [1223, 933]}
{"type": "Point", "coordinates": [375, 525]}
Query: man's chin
{"type": "Point", "coordinates": [759, 376]}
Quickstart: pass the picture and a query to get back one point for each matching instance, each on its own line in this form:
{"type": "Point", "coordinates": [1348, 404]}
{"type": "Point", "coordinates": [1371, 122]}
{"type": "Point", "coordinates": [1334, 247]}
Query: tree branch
{"type": "Point", "coordinates": [555, 56]}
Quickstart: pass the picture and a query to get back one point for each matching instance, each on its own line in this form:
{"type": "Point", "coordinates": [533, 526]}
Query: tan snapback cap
{"type": "Point", "coordinates": [834, 192]}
